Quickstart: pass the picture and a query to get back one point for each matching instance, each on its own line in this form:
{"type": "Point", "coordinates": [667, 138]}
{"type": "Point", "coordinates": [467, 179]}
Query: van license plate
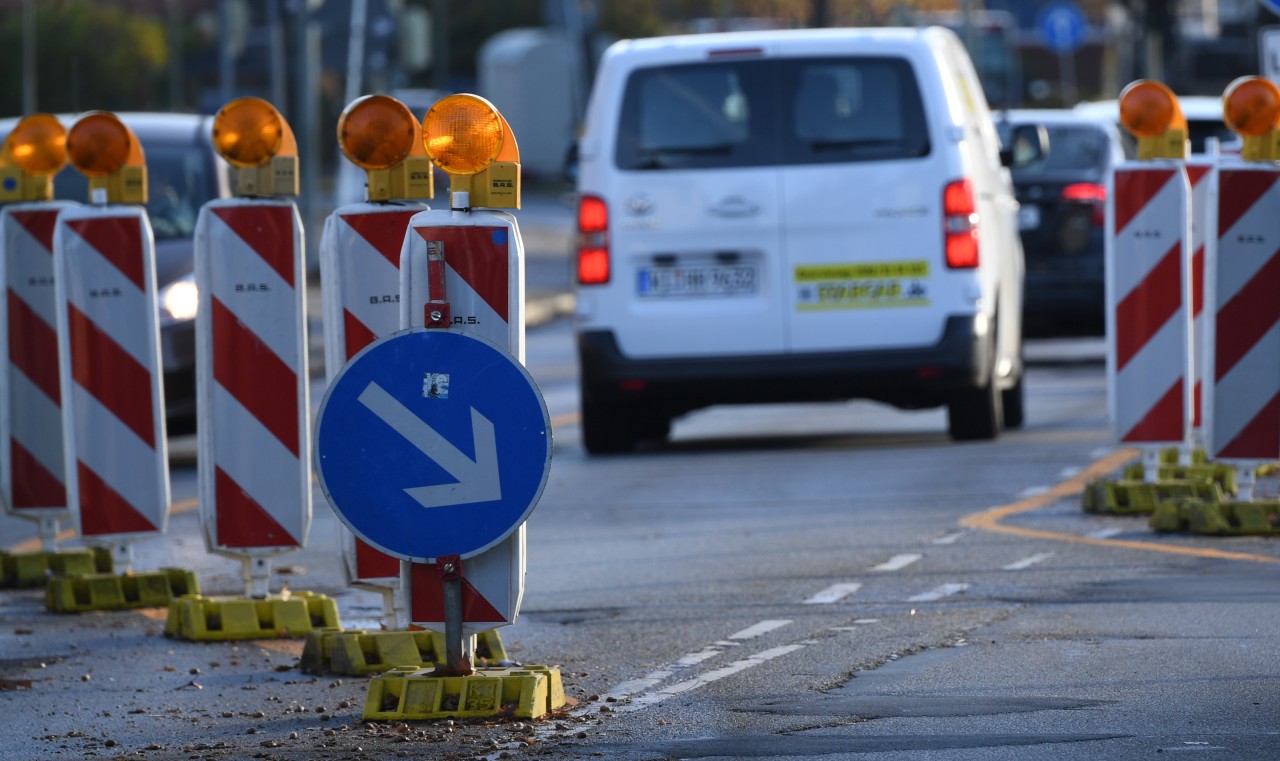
{"type": "Point", "coordinates": [711, 280]}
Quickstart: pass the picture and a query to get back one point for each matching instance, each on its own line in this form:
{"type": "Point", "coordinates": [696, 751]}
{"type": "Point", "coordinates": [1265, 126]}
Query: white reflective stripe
{"type": "Point", "coordinates": [259, 464]}
{"type": "Point", "coordinates": [30, 270]}
{"type": "Point", "coordinates": [1150, 373]}
{"type": "Point", "coordinates": [1135, 257]}
{"type": "Point", "coordinates": [1242, 393]}
{"type": "Point", "coordinates": [1237, 264]}
{"type": "Point", "coordinates": [110, 300]}
{"type": "Point", "coordinates": [271, 316]}
{"type": "Point", "coordinates": [38, 426]}
{"type": "Point", "coordinates": [115, 453]}
{"type": "Point", "coordinates": [368, 275]}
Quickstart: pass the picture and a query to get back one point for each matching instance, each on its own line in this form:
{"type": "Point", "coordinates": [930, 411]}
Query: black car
{"type": "Point", "coordinates": [183, 173]}
{"type": "Point", "coordinates": [1061, 187]}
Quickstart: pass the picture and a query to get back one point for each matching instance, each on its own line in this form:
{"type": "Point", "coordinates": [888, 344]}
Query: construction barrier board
{"type": "Point", "coordinates": [117, 467]}
{"type": "Point", "coordinates": [253, 416]}
{"type": "Point", "coordinates": [1148, 284]}
{"type": "Point", "coordinates": [1200, 170]}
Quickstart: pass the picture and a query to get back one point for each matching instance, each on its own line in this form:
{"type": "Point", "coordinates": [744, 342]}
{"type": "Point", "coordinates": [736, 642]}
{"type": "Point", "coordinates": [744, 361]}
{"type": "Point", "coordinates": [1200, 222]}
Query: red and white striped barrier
{"type": "Point", "coordinates": [360, 272]}
{"type": "Point", "coordinates": [253, 417]}
{"type": "Point", "coordinates": [117, 473]}
{"type": "Point", "coordinates": [1149, 304]}
{"type": "Point", "coordinates": [474, 260]}
{"type": "Point", "coordinates": [32, 471]}
{"type": "Point", "coordinates": [1244, 283]}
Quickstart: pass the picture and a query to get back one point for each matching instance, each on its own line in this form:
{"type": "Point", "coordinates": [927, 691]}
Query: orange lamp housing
{"type": "Point", "coordinates": [31, 155]}
{"type": "Point", "coordinates": [471, 141]}
{"type": "Point", "coordinates": [1150, 111]}
{"type": "Point", "coordinates": [105, 150]}
{"type": "Point", "coordinates": [380, 135]}
{"type": "Point", "coordinates": [1251, 108]}
{"type": "Point", "coordinates": [254, 138]}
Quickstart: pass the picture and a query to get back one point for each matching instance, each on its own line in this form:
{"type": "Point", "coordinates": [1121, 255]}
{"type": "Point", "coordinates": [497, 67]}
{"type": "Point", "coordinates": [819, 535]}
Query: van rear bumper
{"type": "Point", "coordinates": [910, 378]}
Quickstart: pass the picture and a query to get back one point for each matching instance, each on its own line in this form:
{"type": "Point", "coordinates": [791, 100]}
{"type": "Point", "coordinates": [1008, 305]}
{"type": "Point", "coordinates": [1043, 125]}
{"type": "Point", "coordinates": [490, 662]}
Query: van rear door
{"type": "Point", "coordinates": [695, 225]}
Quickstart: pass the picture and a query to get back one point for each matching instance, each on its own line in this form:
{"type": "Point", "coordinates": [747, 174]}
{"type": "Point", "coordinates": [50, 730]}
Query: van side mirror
{"type": "Point", "coordinates": [1028, 144]}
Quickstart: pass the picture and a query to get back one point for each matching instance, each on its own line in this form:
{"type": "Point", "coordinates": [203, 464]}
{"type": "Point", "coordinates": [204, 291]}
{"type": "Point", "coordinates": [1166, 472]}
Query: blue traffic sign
{"type": "Point", "coordinates": [432, 443]}
{"type": "Point", "coordinates": [1062, 26]}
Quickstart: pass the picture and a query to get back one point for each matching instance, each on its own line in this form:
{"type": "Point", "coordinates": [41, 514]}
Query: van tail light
{"type": "Point", "coordinates": [960, 225]}
{"type": "Point", "coordinates": [1090, 193]}
{"type": "Point", "coordinates": [593, 241]}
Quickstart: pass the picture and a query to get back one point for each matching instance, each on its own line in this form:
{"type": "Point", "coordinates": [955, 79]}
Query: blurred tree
{"type": "Point", "coordinates": [89, 56]}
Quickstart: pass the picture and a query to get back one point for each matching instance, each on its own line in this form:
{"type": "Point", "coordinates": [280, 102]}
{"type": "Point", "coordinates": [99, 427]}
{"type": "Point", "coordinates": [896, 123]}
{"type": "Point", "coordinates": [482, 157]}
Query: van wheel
{"type": "Point", "coordinates": [1013, 400]}
{"type": "Point", "coordinates": [977, 414]}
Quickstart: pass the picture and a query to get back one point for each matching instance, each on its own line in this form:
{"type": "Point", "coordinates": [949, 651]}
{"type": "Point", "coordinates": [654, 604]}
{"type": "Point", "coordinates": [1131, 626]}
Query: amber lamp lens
{"type": "Point", "coordinates": [1147, 108]}
{"type": "Point", "coordinates": [1251, 105]}
{"type": "Point", "coordinates": [39, 144]}
{"type": "Point", "coordinates": [248, 132]}
{"type": "Point", "coordinates": [462, 134]}
{"type": "Point", "coordinates": [376, 132]}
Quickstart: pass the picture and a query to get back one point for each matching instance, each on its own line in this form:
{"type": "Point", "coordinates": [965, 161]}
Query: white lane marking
{"type": "Point", "coordinates": [834, 593]}
{"type": "Point", "coordinates": [657, 696]}
{"type": "Point", "coordinates": [1068, 472]}
{"type": "Point", "coordinates": [937, 593]}
{"type": "Point", "coordinates": [951, 538]}
{"type": "Point", "coordinates": [897, 562]}
{"type": "Point", "coordinates": [1027, 562]}
{"type": "Point", "coordinates": [1033, 491]}
{"type": "Point", "coordinates": [1106, 533]}
{"type": "Point", "coordinates": [755, 630]}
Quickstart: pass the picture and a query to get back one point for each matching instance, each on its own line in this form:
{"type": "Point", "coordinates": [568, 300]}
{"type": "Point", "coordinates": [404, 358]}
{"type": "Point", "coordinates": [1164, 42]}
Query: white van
{"type": "Point", "coordinates": [794, 216]}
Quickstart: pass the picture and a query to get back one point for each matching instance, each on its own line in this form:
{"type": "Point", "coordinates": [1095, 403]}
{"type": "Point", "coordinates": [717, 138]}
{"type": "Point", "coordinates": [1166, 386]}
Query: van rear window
{"type": "Point", "coordinates": [767, 112]}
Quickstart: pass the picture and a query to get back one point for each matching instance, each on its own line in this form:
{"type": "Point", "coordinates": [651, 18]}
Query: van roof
{"type": "Point", "coordinates": [763, 38]}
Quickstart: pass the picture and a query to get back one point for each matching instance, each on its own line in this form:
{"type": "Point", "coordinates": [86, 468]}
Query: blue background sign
{"type": "Point", "coordinates": [1062, 25]}
{"type": "Point", "coordinates": [433, 443]}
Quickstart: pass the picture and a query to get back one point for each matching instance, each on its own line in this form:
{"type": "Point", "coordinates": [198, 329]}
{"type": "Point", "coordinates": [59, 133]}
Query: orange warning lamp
{"type": "Point", "coordinates": [380, 135]}
{"type": "Point", "coordinates": [1150, 111]}
{"type": "Point", "coordinates": [252, 135]}
{"type": "Point", "coordinates": [33, 153]}
{"type": "Point", "coordinates": [466, 137]}
{"type": "Point", "coordinates": [1251, 108]}
{"type": "Point", "coordinates": [106, 151]}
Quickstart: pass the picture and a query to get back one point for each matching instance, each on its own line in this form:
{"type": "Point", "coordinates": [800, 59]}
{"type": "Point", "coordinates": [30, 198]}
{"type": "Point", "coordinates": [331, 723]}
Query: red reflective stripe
{"type": "Point", "coordinates": [385, 232]}
{"type": "Point", "coordinates": [356, 334]}
{"type": "Point", "coordinates": [478, 258]}
{"type": "Point", "coordinates": [427, 590]}
{"type": "Point", "coordinates": [1196, 172]}
{"type": "Point", "coordinates": [1197, 282]}
{"type": "Point", "coordinates": [1260, 439]}
{"type": "Point", "coordinates": [33, 484]}
{"type": "Point", "coordinates": [111, 375]}
{"type": "Point", "coordinates": [1238, 192]}
{"type": "Point", "coordinates": [1145, 309]}
{"type": "Point", "coordinates": [375, 564]}
{"type": "Point", "coordinates": [242, 522]}
{"type": "Point", "coordinates": [1134, 190]}
{"type": "Point", "coordinates": [268, 230]}
{"type": "Point", "coordinates": [255, 376]}
{"type": "Point", "coordinates": [33, 347]}
{"type": "Point", "coordinates": [103, 510]}
{"type": "Point", "coordinates": [1196, 393]}
{"type": "Point", "coordinates": [1163, 422]}
{"type": "Point", "coordinates": [117, 240]}
{"type": "Point", "coordinates": [39, 224]}
{"type": "Point", "coordinates": [1247, 317]}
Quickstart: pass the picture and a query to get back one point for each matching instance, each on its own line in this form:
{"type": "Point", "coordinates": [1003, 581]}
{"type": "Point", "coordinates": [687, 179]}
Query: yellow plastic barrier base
{"type": "Point", "coordinates": [209, 619]}
{"type": "Point", "coordinates": [104, 591]}
{"type": "Point", "coordinates": [1216, 518]}
{"type": "Point", "coordinates": [359, 653]}
{"type": "Point", "coordinates": [406, 694]}
{"type": "Point", "coordinates": [1141, 498]}
{"type": "Point", "coordinates": [1223, 475]}
{"type": "Point", "coordinates": [33, 569]}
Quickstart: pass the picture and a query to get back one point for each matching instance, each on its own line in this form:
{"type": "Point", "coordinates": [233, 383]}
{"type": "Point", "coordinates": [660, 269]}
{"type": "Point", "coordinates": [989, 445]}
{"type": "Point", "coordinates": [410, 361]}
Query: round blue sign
{"type": "Point", "coordinates": [1062, 26]}
{"type": "Point", "coordinates": [432, 443]}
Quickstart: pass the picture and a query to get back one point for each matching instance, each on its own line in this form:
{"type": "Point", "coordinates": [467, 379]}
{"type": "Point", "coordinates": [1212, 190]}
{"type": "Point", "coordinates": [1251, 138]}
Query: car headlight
{"type": "Point", "coordinates": [179, 300]}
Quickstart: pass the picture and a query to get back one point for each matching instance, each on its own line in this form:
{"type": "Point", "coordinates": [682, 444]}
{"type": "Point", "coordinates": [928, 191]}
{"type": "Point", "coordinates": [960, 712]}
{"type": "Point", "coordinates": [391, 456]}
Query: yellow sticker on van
{"type": "Point", "coordinates": [862, 285]}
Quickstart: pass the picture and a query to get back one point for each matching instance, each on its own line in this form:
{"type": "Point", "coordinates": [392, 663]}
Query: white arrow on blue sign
{"type": "Point", "coordinates": [433, 443]}
{"type": "Point", "coordinates": [1062, 26]}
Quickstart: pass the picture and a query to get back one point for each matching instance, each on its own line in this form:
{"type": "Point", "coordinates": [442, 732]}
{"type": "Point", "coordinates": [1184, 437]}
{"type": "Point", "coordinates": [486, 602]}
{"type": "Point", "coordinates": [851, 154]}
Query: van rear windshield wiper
{"type": "Point", "coordinates": [841, 145]}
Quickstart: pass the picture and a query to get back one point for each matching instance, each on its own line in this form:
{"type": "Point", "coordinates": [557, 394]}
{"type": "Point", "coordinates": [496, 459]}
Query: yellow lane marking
{"type": "Point", "coordinates": [989, 520]}
{"type": "Point", "coordinates": [568, 418]}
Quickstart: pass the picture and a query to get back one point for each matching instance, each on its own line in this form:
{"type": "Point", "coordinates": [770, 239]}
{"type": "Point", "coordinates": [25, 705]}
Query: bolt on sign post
{"type": "Point", "coordinates": [439, 426]}
{"type": "Point", "coordinates": [360, 272]}
{"type": "Point", "coordinates": [116, 461]}
{"type": "Point", "coordinates": [1243, 279]}
{"type": "Point", "coordinates": [252, 410]}
{"type": "Point", "coordinates": [1148, 284]}
{"type": "Point", "coordinates": [32, 477]}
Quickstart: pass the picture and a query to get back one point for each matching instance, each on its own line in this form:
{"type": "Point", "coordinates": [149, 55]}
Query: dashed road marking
{"type": "Point", "coordinates": [897, 562]}
{"type": "Point", "coordinates": [951, 538]}
{"type": "Point", "coordinates": [1032, 491]}
{"type": "Point", "coordinates": [834, 593]}
{"type": "Point", "coordinates": [755, 630]}
{"type": "Point", "coordinates": [937, 593]}
{"type": "Point", "coordinates": [1027, 562]}
{"type": "Point", "coordinates": [1105, 533]}
{"type": "Point", "coordinates": [657, 696]}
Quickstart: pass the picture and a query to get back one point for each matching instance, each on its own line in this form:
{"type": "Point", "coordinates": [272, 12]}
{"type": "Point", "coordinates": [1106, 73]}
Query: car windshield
{"type": "Point", "coordinates": [179, 182]}
{"type": "Point", "coordinates": [1072, 149]}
